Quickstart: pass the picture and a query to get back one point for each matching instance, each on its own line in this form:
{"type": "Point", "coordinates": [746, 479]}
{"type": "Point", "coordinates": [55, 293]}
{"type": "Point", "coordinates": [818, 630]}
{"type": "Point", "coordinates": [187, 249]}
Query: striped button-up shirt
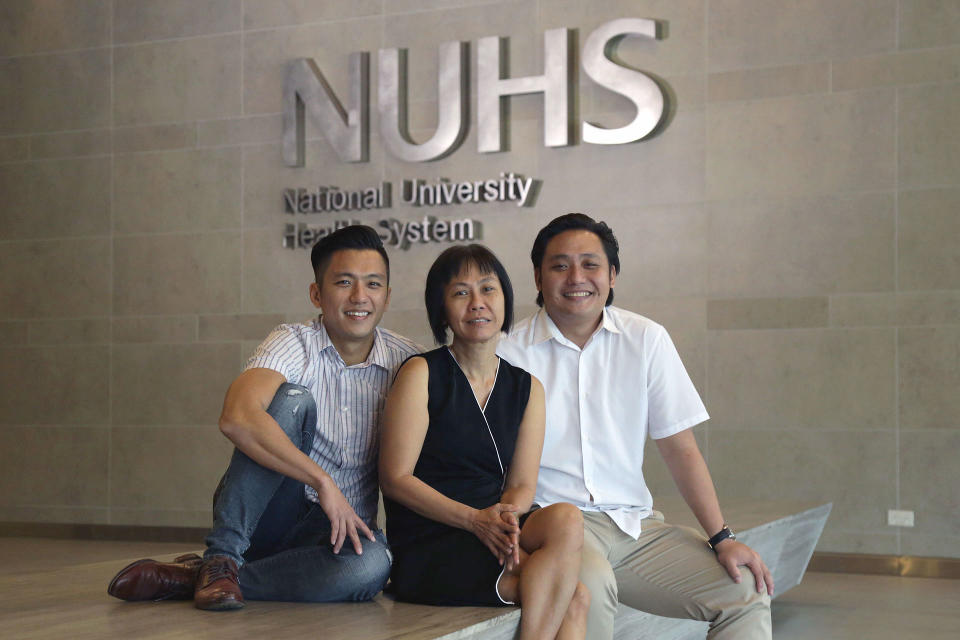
{"type": "Point", "coordinates": [349, 400]}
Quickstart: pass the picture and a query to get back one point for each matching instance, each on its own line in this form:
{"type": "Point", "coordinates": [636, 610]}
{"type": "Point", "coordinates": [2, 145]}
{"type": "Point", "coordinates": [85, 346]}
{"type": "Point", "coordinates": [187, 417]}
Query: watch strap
{"type": "Point", "coordinates": [719, 537]}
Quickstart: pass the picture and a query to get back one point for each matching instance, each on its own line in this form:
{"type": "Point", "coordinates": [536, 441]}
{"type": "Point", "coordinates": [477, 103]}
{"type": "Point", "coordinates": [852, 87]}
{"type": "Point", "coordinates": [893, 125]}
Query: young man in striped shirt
{"type": "Point", "coordinates": [295, 513]}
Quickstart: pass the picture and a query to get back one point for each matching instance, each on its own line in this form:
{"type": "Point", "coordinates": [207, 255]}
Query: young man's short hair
{"type": "Point", "coordinates": [446, 267]}
{"type": "Point", "coordinates": [357, 236]}
{"type": "Point", "coordinates": [572, 222]}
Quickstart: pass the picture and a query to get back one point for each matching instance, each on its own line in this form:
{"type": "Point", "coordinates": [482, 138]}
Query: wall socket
{"type": "Point", "coordinates": [898, 518]}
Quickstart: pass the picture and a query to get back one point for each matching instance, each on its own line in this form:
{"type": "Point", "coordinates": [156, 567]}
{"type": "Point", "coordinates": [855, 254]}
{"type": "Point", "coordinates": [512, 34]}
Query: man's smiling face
{"type": "Point", "coordinates": [352, 293]}
{"type": "Point", "coordinates": [575, 277]}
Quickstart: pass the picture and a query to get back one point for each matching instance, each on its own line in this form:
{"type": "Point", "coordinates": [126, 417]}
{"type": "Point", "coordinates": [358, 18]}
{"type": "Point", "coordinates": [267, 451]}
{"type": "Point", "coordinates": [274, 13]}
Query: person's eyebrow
{"type": "Point", "coordinates": [349, 274]}
{"type": "Point", "coordinates": [567, 256]}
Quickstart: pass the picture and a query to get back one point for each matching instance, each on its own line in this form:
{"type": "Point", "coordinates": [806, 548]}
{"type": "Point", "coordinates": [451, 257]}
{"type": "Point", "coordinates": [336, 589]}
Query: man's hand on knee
{"type": "Point", "coordinates": [732, 555]}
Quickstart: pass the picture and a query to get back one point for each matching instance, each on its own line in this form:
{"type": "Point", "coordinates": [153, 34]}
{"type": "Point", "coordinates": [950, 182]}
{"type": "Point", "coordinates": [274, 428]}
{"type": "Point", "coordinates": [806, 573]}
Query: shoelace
{"type": "Point", "coordinates": [217, 570]}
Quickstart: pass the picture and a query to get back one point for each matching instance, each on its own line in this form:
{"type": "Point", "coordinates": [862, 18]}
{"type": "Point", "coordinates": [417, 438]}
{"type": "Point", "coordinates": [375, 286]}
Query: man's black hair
{"type": "Point", "coordinates": [572, 222]}
{"type": "Point", "coordinates": [449, 265]}
{"type": "Point", "coordinates": [357, 236]}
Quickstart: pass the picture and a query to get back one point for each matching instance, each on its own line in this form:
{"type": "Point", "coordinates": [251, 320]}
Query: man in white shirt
{"type": "Point", "coordinates": [611, 378]}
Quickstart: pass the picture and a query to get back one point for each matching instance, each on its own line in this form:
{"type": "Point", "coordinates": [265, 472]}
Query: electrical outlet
{"type": "Point", "coordinates": [898, 518]}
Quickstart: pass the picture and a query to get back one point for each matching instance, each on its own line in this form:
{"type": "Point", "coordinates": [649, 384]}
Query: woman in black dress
{"type": "Point", "coordinates": [459, 456]}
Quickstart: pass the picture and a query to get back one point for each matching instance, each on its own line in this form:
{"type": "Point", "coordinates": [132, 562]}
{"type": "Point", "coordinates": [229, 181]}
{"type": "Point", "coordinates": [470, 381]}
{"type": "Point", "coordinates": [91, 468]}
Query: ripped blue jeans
{"type": "Point", "coordinates": [281, 540]}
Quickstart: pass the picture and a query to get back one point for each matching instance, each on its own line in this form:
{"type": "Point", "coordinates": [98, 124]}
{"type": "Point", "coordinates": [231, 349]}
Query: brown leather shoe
{"type": "Point", "coordinates": [152, 580]}
{"type": "Point", "coordinates": [218, 585]}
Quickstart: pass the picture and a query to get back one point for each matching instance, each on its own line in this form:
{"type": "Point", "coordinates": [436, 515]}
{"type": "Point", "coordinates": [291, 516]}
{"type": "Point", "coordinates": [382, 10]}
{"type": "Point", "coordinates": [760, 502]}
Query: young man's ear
{"type": "Point", "coordinates": [613, 276]}
{"type": "Point", "coordinates": [536, 277]}
{"type": "Point", "coordinates": [315, 295]}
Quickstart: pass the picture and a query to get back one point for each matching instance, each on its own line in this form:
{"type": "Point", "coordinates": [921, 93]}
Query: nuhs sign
{"type": "Point", "coordinates": [347, 129]}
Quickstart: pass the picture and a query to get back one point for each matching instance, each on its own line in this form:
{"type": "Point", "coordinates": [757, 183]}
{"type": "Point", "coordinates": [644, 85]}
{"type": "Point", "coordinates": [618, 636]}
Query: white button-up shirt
{"type": "Point", "coordinates": [602, 401]}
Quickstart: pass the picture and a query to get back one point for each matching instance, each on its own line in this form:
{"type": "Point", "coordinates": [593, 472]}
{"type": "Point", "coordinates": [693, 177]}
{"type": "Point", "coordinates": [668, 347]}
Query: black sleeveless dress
{"type": "Point", "coordinates": [466, 455]}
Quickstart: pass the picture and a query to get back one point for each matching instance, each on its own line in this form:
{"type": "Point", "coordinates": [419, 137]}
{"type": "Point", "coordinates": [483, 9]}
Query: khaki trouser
{"type": "Point", "coordinates": [669, 571]}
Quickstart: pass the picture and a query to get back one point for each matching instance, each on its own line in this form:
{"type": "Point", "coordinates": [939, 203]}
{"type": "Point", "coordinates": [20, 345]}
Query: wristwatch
{"type": "Point", "coordinates": [724, 534]}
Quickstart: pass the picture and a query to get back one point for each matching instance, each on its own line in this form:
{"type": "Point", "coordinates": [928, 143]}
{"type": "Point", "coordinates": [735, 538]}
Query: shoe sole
{"type": "Point", "coordinates": [226, 605]}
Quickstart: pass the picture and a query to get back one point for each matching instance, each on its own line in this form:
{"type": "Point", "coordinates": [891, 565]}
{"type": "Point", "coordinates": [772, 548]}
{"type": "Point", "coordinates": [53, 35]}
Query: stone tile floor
{"type": "Point", "coordinates": [57, 589]}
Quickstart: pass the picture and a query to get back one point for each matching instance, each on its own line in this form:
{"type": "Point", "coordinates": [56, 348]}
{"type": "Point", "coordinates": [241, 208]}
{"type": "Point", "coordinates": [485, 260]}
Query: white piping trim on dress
{"type": "Point", "coordinates": [496, 587]}
{"type": "Point", "coordinates": [483, 410]}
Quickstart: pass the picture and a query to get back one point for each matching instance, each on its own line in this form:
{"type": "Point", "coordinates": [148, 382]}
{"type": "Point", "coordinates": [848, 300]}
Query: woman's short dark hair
{"type": "Point", "coordinates": [355, 236]}
{"type": "Point", "coordinates": [572, 222]}
{"type": "Point", "coordinates": [449, 265]}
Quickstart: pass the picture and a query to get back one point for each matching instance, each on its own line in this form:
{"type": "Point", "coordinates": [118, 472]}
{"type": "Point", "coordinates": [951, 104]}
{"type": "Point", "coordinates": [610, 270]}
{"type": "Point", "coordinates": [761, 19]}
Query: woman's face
{"type": "Point", "coordinates": [473, 302]}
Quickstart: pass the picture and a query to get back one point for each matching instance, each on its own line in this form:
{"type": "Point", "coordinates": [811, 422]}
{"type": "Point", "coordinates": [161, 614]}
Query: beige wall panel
{"type": "Point", "coordinates": [72, 144]}
{"type": "Point", "coordinates": [767, 313]}
{"type": "Point", "coordinates": [909, 309]}
{"type": "Point", "coordinates": [936, 307]}
{"type": "Point", "coordinates": [155, 329]}
{"type": "Point", "coordinates": [260, 14]}
{"type": "Point", "coordinates": [904, 68]}
{"type": "Point", "coordinates": [929, 130]}
{"type": "Point", "coordinates": [177, 191]}
{"type": "Point", "coordinates": [252, 130]}
{"type": "Point", "coordinates": [802, 145]}
{"type": "Point", "coordinates": [852, 469]}
{"type": "Point", "coordinates": [768, 248]}
{"type": "Point", "coordinates": [180, 80]}
{"type": "Point", "coordinates": [274, 279]}
{"type": "Point", "coordinates": [157, 469]}
{"type": "Point", "coordinates": [928, 253]}
{"type": "Point", "coordinates": [29, 455]}
{"type": "Point", "coordinates": [663, 250]}
{"type": "Point", "coordinates": [802, 379]}
{"type": "Point", "coordinates": [773, 82]}
{"type": "Point", "coordinates": [55, 92]}
{"type": "Point", "coordinates": [54, 385]}
{"type": "Point", "coordinates": [154, 137]}
{"type": "Point", "coordinates": [929, 378]}
{"type": "Point", "coordinates": [139, 20]}
{"type": "Point", "coordinates": [238, 327]}
{"type": "Point", "coordinates": [172, 383]}
{"type": "Point", "coordinates": [929, 23]}
{"type": "Point", "coordinates": [929, 477]}
{"type": "Point", "coordinates": [28, 26]}
{"type": "Point", "coordinates": [756, 33]}
{"type": "Point", "coordinates": [863, 310]}
{"type": "Point", "coordinates": [55, 199]}
{"type": "Point", "coordinates": [145, 517]}
{"type": "Point", "coordinates": [913, 544]}
{"type": "Point", "coordinates": [13, 333]}
{"type": "Point", "coordinates": [177, 273]}
{"type": "Point", "coordinates": [14, 149]}
{"type": "Point", "coordinates": [411, 323]}
{"type": "Point", "coordinates": [409, 6]}
{"type": "Point", "coordinates": [265, 178]}
{"type": "Point", "coordinates": [71, 331]}
{"type": "Point", "coordinates": [55, 278]}
{"type": "Point", "coordinates": [266, 54]}
{"type": "Point", "coordinates": [666, 169]}
{"type": "Point", "coordinates": [858, 542]}
{"type": "Point", "coordinates": [81, 515]}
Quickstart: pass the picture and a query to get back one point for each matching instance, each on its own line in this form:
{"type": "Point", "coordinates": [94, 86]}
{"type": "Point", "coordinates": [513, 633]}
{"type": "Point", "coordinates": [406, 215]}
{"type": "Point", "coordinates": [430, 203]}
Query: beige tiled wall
{"type": "Point", "coordinates": [794, 226]}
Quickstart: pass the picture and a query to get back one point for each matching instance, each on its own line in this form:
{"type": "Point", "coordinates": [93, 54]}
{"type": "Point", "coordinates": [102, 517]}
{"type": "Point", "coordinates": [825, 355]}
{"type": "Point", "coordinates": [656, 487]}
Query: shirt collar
{"type": "Point", "coordinates": [545, 329]}
{"type": "Point", "coordinates": [378, 353]}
